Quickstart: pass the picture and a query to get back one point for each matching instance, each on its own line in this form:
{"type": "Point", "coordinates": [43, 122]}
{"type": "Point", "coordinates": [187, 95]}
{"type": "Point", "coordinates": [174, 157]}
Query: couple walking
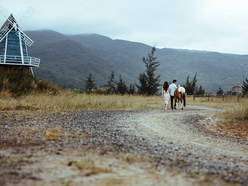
{"type": "Point", "coordinates": [168, 93]}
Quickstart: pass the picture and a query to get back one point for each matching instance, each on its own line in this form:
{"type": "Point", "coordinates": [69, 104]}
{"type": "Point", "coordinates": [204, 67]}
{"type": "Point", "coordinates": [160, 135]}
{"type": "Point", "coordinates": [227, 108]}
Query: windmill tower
{"type": "Point", "coordinates": [13, 45]}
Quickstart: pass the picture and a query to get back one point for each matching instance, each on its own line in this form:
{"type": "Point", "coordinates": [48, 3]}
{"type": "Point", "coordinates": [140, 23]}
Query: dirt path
{"type": "Point", "coordinates": [148, 147]}
{"type": "Point", "coordinates": [174, 134]}
{"type": "Point", "coordinates": [170, 127]}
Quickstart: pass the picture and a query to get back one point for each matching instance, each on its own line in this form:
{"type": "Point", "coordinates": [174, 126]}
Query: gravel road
{"type": "Point", "coordinates": [176, 135]}
{"type": "Point", "coordinates": [169, 138]}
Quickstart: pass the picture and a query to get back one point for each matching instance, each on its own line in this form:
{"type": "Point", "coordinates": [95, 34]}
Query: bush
{"type": "Point", "coordinates": [18, 84]}
{"type": "Point", "coordinates": [100, 91]}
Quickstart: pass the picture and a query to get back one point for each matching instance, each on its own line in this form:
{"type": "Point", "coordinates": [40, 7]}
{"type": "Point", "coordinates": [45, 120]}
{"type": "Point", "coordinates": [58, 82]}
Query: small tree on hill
{"type": "Point", "coordinates": [131, 89]}
{"type": "Point", "coordinates": [245, 86]}
{"type": "Point", "coordinates": [111, 83]}
{"type": "Point", "coordinates": [199, 91]}
{"type": "Point", "coordinates": [121, 86]}
{"type": "Point", "coordinates": [148, 82]}
{"type": "Point", "coordinates": [190, 86]}
{"type": "Point", "coordinates": [219, 91]}
{"type": "Point", "coordinates": [89, 83]}
{"type": "Point", "coordinates": [142, 89]}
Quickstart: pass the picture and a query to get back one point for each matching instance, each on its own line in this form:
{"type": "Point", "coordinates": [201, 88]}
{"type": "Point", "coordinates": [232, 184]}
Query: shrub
{"type": "Point", "coordinates": [18, 84]}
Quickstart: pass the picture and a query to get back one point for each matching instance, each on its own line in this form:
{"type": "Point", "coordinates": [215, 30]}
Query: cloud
{"type": "Point", "coordinates": [215, 25]}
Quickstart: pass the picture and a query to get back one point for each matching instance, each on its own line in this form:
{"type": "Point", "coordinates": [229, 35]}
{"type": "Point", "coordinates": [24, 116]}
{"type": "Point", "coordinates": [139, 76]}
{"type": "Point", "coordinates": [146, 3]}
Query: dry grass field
{"type": "Point", "coordinates": [233, 119]}
{"type": "Point", "coordinates": [67, 100]}
{"type": "Point", "coordinates": [235, 110]}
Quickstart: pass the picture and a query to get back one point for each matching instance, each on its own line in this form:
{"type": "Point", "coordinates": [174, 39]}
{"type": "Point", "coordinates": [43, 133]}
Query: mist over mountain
{"type": "Point", "coordinates": [67, 60]}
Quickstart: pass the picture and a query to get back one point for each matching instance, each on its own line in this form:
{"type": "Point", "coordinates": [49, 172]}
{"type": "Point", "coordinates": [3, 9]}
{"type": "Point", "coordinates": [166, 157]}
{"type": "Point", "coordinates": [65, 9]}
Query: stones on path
{"type": "Point", "coordinates": [106, 132]}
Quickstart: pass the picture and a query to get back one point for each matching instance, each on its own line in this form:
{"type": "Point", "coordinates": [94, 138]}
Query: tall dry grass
{"type": "Point", "coordinates": [20, 91]}
{"type": "Point", "coordinates": [235, 110]}
{"type": "Point", "coordinates": [67, 100]}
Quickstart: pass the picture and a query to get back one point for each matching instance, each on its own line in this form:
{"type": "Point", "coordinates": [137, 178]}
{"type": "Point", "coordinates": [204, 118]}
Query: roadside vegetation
{"type": "Point", "coordinates": [235, 110]}
{"type": "Point", "coordinates": [20, 84]}
{"type": "Point", "coordinates": [24, 92]}
{"type": "Point", "coordinates": [67, 100]}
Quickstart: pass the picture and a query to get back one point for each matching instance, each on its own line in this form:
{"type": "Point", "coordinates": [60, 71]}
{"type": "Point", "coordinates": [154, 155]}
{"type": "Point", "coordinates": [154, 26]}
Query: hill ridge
{"type": "Point", "coordinates": [100, 55]}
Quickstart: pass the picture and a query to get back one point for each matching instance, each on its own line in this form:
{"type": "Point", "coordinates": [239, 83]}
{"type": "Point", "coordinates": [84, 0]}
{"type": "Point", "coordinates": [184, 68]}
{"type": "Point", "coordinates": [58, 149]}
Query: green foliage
{"type": "Point", "coordinates": [100, 91]}
{"type": "Point", "coordinates": [111, 83]}
{"type": "Point", "coordinates": [245, 86]}
{"type": "Point", "coordinates": [59, 79]}
{"type": "Point", "coordinates": [143, 87]}
{"type": "Point", "coordinates": [68, 61]}
{"type": "Point", "coordinates": [148, 82]}
{"type": "Point", "coordinates": [111, 89]}
{"type": "Point", "coordinates": [121, 86]}
{"type": "Point", "coordinates": [190, 86]}
{"type": "Point", "coordinates": [220, 91]}
{"type": "Point", "coordinates": [131, 89]}
{"type": "Point", "coordinates": [19, 84]}
{"type": "Point", "coordinates": [89, 83]}
{"type": "Point", "coordinates": [199, 91]}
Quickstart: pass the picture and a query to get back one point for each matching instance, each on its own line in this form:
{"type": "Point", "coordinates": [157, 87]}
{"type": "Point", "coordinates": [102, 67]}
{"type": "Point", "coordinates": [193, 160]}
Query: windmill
{"type": "Point", "coordinates": [13, 45]}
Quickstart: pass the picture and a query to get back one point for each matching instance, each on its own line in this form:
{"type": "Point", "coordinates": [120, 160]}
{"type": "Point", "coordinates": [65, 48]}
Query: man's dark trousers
{"type": "Point", "coordinates": [172, 98]}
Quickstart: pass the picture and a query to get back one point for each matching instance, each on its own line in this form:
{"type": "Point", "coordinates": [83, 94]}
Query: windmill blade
{"type": "Point", "coordinates": [5, 30]}
{"type": "Point", "coordinates": [4, 12]}
{"type": "Point", "coordinates": [27, 15]}
{"type": "Point", "coordinates": [12, 21]}
{"type": "Point", "coordinates": [24, 37]}
{"type": "Point", "coordinates": [3, 33]}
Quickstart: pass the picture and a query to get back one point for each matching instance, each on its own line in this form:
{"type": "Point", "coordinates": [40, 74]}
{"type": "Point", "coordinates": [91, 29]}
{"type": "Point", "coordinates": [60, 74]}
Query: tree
{"type": "Point", "coordinates": [190, 86]}
{"type": "Point", "coordinates": [131, 89]}
{"type": "Point", "coordinates": [89, 83]}
{"type": "Point", "coordinates": [245, 86]}
{"type": "Point", "coordinates": [142, 89]}
{"type": "Point", "coordinates": [199, 91]}
{"type": "Point", "coordinates": [148, 82]}
{"type": "Point", "coordinates": [111, 83]}
{"type": "Point", "coordinates": [219, 91]}
{"type": "Point", "coordinates": [121, 86]}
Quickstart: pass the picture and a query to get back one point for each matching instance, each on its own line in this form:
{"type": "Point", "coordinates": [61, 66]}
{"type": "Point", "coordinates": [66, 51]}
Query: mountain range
{"type": "Point", "coordinates": [67, 60]}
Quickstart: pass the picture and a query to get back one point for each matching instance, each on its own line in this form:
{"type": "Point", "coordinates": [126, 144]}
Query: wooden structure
{"type": "Point", "coordinates": [16, 68]}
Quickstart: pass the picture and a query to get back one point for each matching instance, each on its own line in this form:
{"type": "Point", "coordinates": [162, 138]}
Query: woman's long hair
{"type": "Point", "coordinates": [166, 85]}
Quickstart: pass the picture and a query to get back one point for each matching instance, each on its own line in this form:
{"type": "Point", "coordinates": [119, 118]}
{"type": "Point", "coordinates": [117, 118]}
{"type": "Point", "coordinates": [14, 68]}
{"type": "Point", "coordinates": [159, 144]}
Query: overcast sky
{"type": "Point", "coordinates": [212, 25]}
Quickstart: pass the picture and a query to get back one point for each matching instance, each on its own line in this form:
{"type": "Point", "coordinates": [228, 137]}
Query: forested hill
{"type": "Point", "coordinates": [68, 59]}
{"type": "Point", "coordinates": [64, 61]}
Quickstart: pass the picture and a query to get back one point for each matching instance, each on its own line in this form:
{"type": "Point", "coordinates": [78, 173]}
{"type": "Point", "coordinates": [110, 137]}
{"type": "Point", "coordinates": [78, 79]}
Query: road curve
{"type": "Point", "coordinates": [173, 133]}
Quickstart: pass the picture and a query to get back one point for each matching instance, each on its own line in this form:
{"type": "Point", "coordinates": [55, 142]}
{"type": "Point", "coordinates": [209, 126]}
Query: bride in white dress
{"type": "Point", "coordinates": [166, 93]}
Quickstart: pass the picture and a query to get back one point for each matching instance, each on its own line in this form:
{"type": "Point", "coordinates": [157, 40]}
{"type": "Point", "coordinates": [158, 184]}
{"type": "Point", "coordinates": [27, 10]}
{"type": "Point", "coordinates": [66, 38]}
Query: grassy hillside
{"type": "Point", "coordinates": [124, 56]}
{"type": "Point", "coordinates": [44, 37]}
{"type": "Point", "coordinates": [67, 59]}
{"type": "Point", "coordinates": [213, 69]}
{"type": "Point", "coordinates": [66, 62]}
